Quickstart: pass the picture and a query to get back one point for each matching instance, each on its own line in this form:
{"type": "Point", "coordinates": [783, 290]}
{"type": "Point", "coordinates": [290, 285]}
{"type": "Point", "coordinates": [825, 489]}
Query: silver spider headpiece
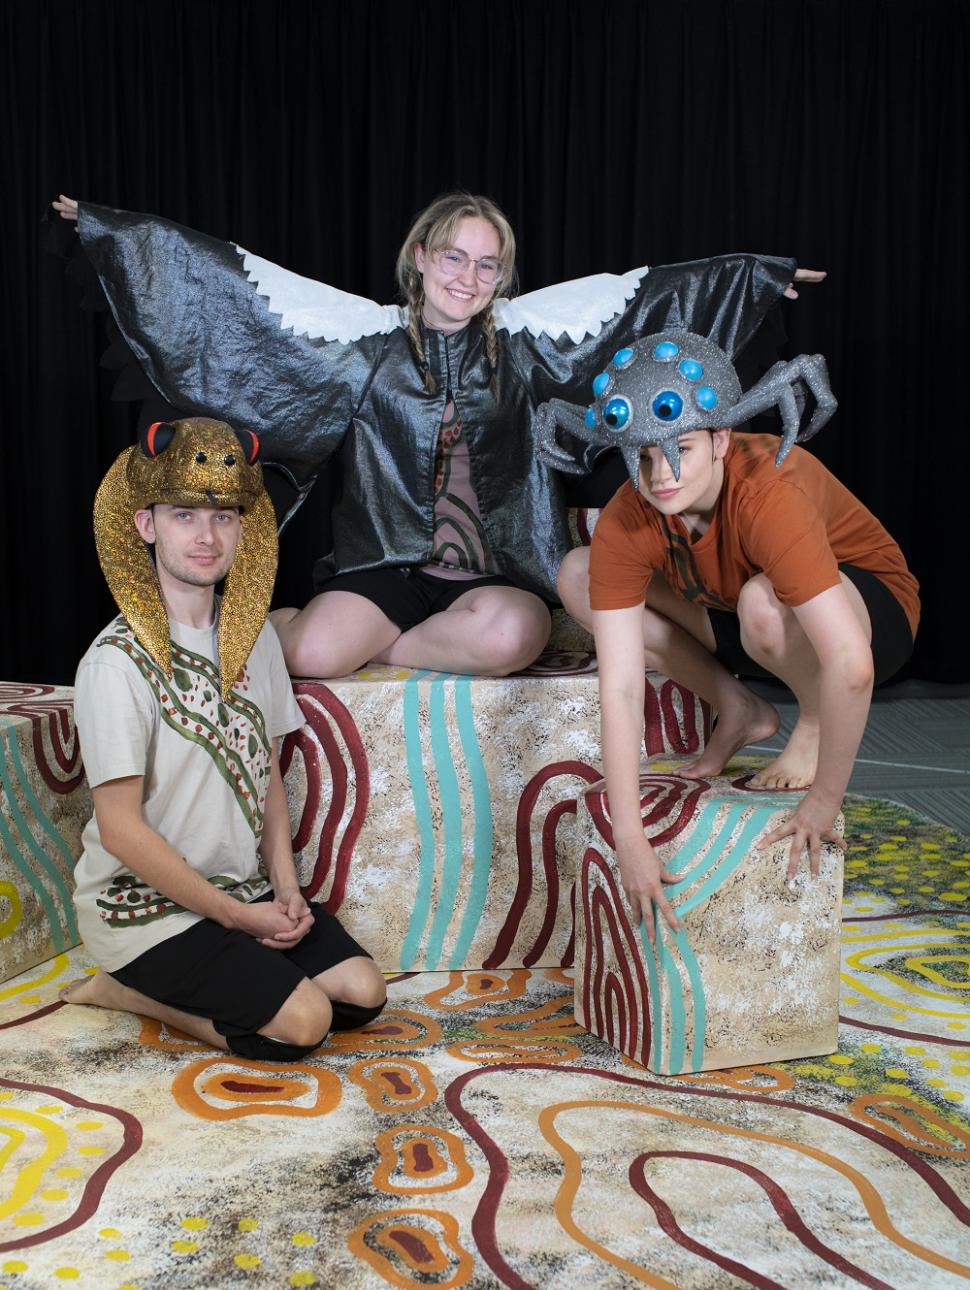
{"type": "Point", "coordinates": [664, 386]}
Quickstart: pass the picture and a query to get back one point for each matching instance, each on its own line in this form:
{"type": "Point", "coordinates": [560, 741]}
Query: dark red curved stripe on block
{"type": "Point", "coordinates": [21, 690]}
{"type": "Point", "coordinates": [662, 731]}
{"type": "Point", "coordinates": [309, 751]}
{"type": "Point", "coordinates": [338, 800]}
{"type": "Point", "coordinates": [601, 906]}
{"type": "Point", "coordinates": [58, 716]}
{"type": "Point", "coordinates": [523, 851]}
{"type": "Point", "coordinates": [483, 1221]}
{"type": "Point", "coordinates": [311, 695]}
{"type": "Point", "coordinates": [684, 739]}
{"type": "Point", "coordinates": [659, 793]}
{"type": "Point", "coordinates": [549, 826]}
{"type": "Point", "coordinates": [780, 1202]}
{"type": "Point", "coordinates": [615, 1006]}
{"type": "Point", "coordinates": [95, 1185]}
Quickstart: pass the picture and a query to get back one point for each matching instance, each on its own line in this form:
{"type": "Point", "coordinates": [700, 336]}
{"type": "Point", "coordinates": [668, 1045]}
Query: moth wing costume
{"type": "Point", "coordinates": [320, 374]}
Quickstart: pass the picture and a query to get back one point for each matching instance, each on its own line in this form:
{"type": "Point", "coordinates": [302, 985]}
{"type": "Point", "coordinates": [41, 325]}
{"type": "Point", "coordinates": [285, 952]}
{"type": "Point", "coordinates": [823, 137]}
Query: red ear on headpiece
{"type": "Point", "coordinates": [156, 438]}
{"type": "Point", "coordinates": [250, 444]}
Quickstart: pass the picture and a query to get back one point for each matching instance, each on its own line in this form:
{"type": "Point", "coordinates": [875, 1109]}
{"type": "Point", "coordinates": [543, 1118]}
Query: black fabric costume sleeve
{"type": "Point", "coordinates": [209, 344]}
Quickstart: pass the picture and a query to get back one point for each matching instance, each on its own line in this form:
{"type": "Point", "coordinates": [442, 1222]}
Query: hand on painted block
{"type": "Point", "coordinates": [643, 877]}
{"type": "Point", "coordinates": [809, 826]}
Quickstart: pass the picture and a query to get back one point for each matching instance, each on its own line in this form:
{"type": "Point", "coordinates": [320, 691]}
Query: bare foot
{"type": "Point", "coordinates": [796, 764]}
{"type": "Point", "coordinates": [751, 720]}
{"type": "Point", "coordinates": [98, 991]}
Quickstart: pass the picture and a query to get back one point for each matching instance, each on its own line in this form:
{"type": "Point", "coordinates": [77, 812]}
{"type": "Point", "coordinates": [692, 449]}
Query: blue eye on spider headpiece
{"type": "Point", "coordinates": [666, 385]}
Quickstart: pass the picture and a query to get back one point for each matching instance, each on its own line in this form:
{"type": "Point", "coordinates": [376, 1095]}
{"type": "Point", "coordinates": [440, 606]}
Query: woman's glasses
{"type": "Point", "coordinates": [453, 262]}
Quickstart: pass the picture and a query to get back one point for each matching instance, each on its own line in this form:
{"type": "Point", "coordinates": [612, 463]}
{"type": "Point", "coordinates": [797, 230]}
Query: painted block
{"type": "Point", "coordinates": [434, 812]}
{"type": "Point", "coordinates": [44, 805]}
{"type": "Point", "coordinates": [753, 976]}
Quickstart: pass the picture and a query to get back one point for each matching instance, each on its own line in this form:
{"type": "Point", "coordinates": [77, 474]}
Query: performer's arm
{"type": "Point", "coordinates": [845, 693]}
{"type": "Point", "coordinates": [619, 650]}
{"type": "Point", "coordinates": [561, 336]}
{"type": "Point", "coordinates": [126, 835]}
{"type": "Point", "coordinates": [276, 852]}
{"type": "Point", "coordinates": [220, 332]}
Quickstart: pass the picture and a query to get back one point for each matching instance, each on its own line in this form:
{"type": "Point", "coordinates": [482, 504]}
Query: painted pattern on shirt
{"type": "Point", "coordinates": [231, 731]}
{"type": "Point", "coordinates": [460, 541]}
{"type": "Point", "coordinates": [682, 572]}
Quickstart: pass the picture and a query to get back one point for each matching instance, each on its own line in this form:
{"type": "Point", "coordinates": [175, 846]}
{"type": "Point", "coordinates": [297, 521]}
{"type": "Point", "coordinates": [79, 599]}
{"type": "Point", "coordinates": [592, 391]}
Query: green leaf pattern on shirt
{"type": "Point", "coordinates": [127, 900]}
{"type": "Point", "coordinates": [232, 731]}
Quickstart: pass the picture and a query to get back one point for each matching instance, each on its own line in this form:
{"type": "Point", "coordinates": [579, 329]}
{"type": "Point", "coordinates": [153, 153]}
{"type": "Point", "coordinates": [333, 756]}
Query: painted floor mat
{"type": "Point", "coordinates": [474, 1136]}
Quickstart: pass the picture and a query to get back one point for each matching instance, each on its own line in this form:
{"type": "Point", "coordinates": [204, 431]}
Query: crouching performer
{"type": "Point", "coordinates": [187, 895]}
{"type": "Point", "coordinates": [730, 554]}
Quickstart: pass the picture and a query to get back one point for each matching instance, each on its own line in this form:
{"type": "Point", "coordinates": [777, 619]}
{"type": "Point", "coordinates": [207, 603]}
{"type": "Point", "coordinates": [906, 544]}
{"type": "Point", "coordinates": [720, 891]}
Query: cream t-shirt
{"type": "Point", "coordinates": [205, 763]}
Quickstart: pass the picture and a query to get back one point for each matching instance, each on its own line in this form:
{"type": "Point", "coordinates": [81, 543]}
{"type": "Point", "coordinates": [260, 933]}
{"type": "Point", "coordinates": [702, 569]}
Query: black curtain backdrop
{"type": "Point", "coordinates": [613, 133]}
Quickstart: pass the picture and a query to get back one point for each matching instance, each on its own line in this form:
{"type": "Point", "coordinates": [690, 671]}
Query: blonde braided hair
{"type": "Point", "coordinates": [434, 228]}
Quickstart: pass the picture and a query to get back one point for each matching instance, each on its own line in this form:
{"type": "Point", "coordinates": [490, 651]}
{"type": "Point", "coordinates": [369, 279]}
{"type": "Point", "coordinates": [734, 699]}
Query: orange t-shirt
{"type": "Point", "coordinates": [795, 523]}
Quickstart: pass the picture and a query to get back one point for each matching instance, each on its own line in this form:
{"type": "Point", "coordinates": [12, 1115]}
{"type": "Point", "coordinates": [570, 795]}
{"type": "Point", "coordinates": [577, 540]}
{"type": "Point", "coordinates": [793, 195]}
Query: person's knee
{"type": "Point", "coordinates": [309, 654]}
{"type": "Point", "coordinates": [763, 618]}
{"type": "Point", "coordinates": [512, 639]}
{"type": "Point", "coordinates": [358, 993]}
{"type": "Point", "coordinates": [362, 984]}
{"type": "Point", "coordinates": [304, 1019]}
{"type": "Point", "coordinates": [572, 583]}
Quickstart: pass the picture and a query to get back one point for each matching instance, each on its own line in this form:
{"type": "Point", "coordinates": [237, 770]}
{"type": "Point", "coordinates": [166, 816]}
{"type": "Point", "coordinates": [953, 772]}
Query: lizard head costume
{"type": "Point", "coordinates": [194, 462]}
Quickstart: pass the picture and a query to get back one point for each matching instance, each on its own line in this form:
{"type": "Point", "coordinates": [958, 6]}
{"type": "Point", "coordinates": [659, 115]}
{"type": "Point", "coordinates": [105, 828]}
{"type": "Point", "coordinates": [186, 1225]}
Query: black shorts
{"type": "Point", "coordinates": [226, 975]}
{"type": "Point", "coordinates": [407, 596]}
{"type": "Point", "coordinates": [892, 640]}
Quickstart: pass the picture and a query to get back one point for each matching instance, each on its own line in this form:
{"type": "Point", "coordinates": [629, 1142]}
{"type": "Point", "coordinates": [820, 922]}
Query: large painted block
{"type": "Point", "coordinates": [752, 977]}
{"type": "Point", "coordinates": [434, 812]}
{"type": "Point", "coordinates": [44, 805]}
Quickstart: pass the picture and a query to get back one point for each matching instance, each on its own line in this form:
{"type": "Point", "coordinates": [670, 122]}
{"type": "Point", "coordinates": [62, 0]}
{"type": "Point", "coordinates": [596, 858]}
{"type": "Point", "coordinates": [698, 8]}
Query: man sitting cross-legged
{"type": "Point", "coordinates": [187, 895]}
{"type": "Point", "coordinates": [714, 556]}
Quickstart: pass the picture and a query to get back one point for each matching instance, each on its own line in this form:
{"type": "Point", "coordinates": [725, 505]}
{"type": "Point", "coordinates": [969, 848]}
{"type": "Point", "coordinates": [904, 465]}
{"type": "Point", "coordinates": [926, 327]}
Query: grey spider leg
{"type": "Point", "coordinates": [572, 418]}
{"type": "Point", "coordinates": [778, 388]}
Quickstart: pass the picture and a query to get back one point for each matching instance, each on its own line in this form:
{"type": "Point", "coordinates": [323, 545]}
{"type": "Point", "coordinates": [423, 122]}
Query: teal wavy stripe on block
{"type": "Point", "coordinates": [702, 831]}
{"type": "Point", "coordinates": [450, 797]}
{"type": "Point", "coordinates": [482, 832]}
{"type": "Point", "coordinates": [656, 1000]}
{"type": "Point", "coordinates": [11, 761]}
{"type": "Point", "coordinates": [684, 857]}
{"type": "Point", "coordinates": [739, 849]}
{"type": "Point", "coordinates": [723, 862]}
{"type": "Point", "coordinates": [422, 815]}
{"type": "Point", "coordinates": [47, 825]}
{"type": "Point", "coordinates": [678, 1018]}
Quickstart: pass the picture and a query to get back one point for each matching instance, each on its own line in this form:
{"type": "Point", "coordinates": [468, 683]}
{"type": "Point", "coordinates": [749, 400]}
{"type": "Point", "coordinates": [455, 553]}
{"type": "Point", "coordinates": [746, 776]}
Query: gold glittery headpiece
{"type": "Point", "coordinates": [195, 462]}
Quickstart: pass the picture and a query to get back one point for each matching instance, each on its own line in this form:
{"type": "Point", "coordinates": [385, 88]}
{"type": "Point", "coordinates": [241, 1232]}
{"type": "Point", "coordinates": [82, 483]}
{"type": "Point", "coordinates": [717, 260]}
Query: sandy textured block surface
{"type": "Point", "coordinates": [435, 813]}
{"type": "Point", "coordinates": [44, 805]}
{"type": "Point", "coordinates": [752, 977]}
